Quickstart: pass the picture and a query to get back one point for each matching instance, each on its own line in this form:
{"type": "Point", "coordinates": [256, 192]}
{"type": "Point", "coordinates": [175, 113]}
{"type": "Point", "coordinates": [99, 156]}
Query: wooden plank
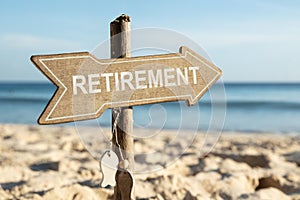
{"type": "Point", "coordinates": [122, 139]}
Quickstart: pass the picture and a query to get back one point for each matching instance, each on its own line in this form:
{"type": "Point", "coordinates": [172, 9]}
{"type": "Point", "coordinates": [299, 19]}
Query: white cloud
{"type": "Point", "coordinates": [270, 5]}
{"type": "Point", "coordinates": [229, 39]}
{"type": "Point", "coordinates": [16, 50]}
{"type": "Point", "coordinates": [30, 42]}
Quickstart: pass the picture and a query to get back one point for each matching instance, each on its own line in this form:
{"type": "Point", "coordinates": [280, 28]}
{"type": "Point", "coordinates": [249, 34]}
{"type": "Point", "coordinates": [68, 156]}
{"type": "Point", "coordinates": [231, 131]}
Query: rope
{"type": "Point", "coordinates": [117, 113]}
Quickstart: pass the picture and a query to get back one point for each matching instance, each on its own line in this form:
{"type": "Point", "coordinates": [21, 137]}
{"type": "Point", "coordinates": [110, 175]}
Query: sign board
{"type": "Point", "coordinates": [87, 86]}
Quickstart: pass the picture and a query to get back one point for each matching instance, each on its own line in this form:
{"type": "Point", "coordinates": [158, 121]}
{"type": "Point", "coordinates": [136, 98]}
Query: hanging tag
{"type": "Point", "coordinates": [108, 166]}
{"type": "Point", "coordinates": [125, 184]}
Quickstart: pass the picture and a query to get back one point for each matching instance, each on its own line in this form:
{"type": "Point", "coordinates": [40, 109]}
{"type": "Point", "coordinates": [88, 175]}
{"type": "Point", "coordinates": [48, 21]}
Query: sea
{"type": "Point", "coordinates": [237, 107]}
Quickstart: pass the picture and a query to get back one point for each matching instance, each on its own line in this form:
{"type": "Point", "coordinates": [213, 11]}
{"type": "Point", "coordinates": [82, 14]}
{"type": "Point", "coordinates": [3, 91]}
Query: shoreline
{"type": "Point", "coordinates": [224, 131]}
{"type": "Point", "coordinates": [51, 162]}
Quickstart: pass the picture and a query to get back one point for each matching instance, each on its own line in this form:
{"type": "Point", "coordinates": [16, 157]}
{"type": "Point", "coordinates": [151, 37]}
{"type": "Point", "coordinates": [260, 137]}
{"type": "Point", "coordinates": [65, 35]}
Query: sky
{"type": "Point", "coordinates": [250, 40]}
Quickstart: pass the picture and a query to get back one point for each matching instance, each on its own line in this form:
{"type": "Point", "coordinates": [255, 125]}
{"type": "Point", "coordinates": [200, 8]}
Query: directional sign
{"type": "Point", "coordinates": [87, 86]}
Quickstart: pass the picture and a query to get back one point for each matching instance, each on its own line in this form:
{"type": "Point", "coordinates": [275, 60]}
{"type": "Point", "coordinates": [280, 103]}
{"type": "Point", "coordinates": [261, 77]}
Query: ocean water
{"type": "Point", "coordinates": [249, 107]}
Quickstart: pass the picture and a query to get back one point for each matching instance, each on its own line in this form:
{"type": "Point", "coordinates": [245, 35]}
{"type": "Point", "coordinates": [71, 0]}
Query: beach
{"type": "Point", "coordinates": [52, 162]}
{"type": "Point", "coordinates": [203, 97]}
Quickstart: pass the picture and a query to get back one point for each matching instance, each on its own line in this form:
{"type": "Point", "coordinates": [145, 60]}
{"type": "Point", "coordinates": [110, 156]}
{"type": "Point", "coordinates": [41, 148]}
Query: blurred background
{"type": "Point", "coordinates": [256, 43]}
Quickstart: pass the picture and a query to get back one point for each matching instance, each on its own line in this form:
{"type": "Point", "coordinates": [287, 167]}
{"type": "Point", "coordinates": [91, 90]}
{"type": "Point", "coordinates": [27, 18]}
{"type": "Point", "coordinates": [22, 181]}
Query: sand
{"type": "Point", "coordinates": [50, 162]}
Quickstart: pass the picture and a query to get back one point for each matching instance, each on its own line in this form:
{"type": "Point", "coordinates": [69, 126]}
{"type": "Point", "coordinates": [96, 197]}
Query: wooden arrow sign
{"type": "Point", "coordinates": [88, 86]}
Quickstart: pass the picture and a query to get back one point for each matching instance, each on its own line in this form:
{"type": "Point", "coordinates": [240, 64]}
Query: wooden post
{"type": "Point", "coordinates": [120, 48]}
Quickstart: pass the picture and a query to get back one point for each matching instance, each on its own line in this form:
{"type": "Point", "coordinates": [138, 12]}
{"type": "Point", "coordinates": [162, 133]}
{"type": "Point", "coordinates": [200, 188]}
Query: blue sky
{"type": "Point", "coordinates": [250, 40]}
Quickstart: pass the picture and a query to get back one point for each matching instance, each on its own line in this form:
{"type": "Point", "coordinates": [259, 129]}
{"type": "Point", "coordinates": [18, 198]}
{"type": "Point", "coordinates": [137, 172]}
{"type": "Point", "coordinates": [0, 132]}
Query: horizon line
{"type": "Point", "coordinates": [225, 82]}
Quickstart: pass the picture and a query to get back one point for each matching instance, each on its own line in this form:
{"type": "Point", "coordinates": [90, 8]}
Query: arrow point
{"type": "Point", "coordinates": [40, 121]}
{"type": "Point", "coordinates": [196, 59]}
{"type": "Point", "coordinates": [34, 59]}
